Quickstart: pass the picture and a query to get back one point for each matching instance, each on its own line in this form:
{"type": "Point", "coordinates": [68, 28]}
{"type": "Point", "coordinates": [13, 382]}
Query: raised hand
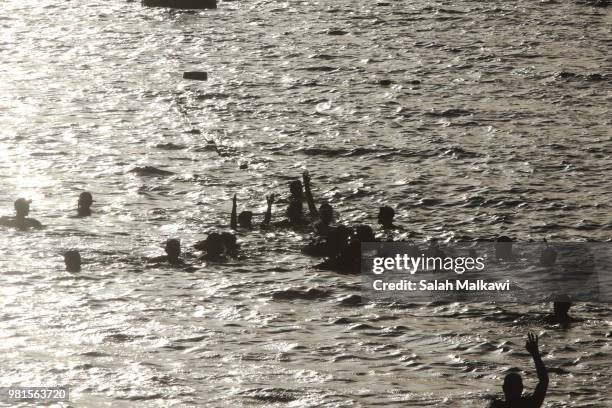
{"type": "Point", "coordinates": [234, 216]}
{"type": "Point", "coordinates": [306, 178]}
{"type": "Point", "coordinates": [532, 344]}
{"type": "Point", "coordinates": [540, 392]}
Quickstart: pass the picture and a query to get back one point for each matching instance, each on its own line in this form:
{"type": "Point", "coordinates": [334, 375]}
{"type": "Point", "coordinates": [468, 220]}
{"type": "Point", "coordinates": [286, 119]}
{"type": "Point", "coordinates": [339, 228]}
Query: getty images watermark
{"type": "Point", "coordinates": [487, 271]}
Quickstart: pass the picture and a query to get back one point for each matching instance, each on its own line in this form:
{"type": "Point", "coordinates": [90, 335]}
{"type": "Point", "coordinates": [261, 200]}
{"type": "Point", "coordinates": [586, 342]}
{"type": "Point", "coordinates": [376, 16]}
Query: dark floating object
{"type": "Point", "coordinates": [150, 171]}
{"type": "Point", "coordinates": [337, 32]}
{"type": "Point", "coordinates": [322, 69]}
{"type": "Point", "coordinates": [385, 82]}
{"type": "Point", "coordinates": [244, 166]}
{"type": "Point", "coordinates": [181, 4]}
{"type": "Point", "coordinates": [593, 77]}
{"type": "Point", "coordinates": [169, 146]}
{"type": "Point", "coordinates": [195, 75]}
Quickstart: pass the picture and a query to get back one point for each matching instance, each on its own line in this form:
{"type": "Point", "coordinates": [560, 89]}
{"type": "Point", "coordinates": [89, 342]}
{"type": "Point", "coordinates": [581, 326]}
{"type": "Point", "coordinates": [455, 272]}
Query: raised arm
{"type": "Point", "coordinates": [311, 205]}
{"type": "Point", "coordinates": [234, 217]}
{"type": "Point", "coordinates": [540, 392]}
{"type": "Point", "coordinates": [268, 216]}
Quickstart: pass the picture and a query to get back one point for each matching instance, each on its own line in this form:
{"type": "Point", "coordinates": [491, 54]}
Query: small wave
{"type": "Point", "coordinates": [94, 354]}
{"type": "Point", "coordinates": [342, 320]}
{"type": "Point", "coordinates": [120, 338]}
{"type": "Point", "coordinates": [350, 300]}
{"type": "Point", "coordinates": [294, 294]}
{"type": "Point", "coordinates": [457, 152]}
{"type": "Point", "coordinates": [568, 76]}
{"type": "Point", "coordinates": [169, 146]}
{"type": "Point", "coordinates": [271, 395]}
{"type": "Point", "coordinates": [319, 69]}
{"type": "Point", "coordinates": [337, 32]}
{"type": "Point", "coordinates": [323, 56]}
{"type": "Point", "coordinates": [140, 397]}
{"type": "Point", "coordinates": [362, 326]}
{"type": "Point", "coordinates": [449, 113]}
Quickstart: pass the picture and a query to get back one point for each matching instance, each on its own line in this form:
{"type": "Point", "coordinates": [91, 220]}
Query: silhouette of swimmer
{"type": "Point", "coordinates": [72, 260]}
{"type": "Point", "coordinates": [326, 218]}
{"type": "Point", "coordinates": [560, 316]}
{"type": "Point", "coordinates": [295, 212]}
{"type": "Point", "coordinates": [330, 244]}
{"type": "Point", "coordinates": [295, 217]}
{"type": "Point", "coordinates": [348, 259]}
{"type": "Point", "coordinates": [312, 208]}
{"type": "Point", "coordinates": [84, 204]}
{"type": "Point", "coordinates": [513, 383]}
{"type": "Point", "coordinates": [230, 244]}
{"type": "Point", "coordinates": [173, 253]}
{"type": "Point", "coordinates": [503, 248]}
{"type": "Point", "coordinates": [385, 218]}
{"type": "Point", "coordinates": [20, 220]}
{"type": "Point", "coordinates": [364, 233]}
{"type": "Point", "coordinates": [296, 191]}
{"type": "Point", "coordinates": [216, 245]}
{"type": "Point", "coordinates": [268, 216]}
{"type": "Point", "coordinates": [245, 218]}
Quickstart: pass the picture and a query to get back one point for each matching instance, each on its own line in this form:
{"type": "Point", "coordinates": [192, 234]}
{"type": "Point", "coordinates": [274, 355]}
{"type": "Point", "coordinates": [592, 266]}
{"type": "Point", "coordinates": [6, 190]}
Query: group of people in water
{"type": "Point", "coordinates": [338, 244]}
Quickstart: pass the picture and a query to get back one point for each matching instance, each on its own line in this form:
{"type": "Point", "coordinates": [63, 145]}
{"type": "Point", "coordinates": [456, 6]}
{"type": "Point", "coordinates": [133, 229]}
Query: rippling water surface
{"type": "Point", "coordinates": [471, 118]}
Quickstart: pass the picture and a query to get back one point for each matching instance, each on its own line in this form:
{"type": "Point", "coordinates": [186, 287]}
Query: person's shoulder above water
{"type": "Point", "coordinates": [173, 253]}
{"type": "Point", "coordinates": [560, 316]}
{"type": "Point", "coordinates": [218, 247]}
{"type": "Point", "coordinates": [20, 223]}
{"type": "Point", "coordinates": [84, 204]}
{"type": "Point", "coordinates": [295, 219]}
{"type": "Point", "coordinates": [20, 220]}
{"type": "Point", "coordinates": [497, 403]}
{"type": "Point", "coordinates": [385, 219]}
{"type": "Point", "coordinates": [30, 223]}
{"type": "Point", "coordinates": [523, 402]}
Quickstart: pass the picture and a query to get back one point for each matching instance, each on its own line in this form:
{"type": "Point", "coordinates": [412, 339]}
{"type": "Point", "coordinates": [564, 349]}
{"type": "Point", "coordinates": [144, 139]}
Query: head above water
{"type": "Point", "coordinates": [22, 207]}
{"type": "Point", "coordinates": [364, 233]}
{"type": "Point", "coordinates": [338, 238]}
{"type": "Point", "coordinates": [295, 188]}
{"type": "Point", "coordinates": [385, 216]}
{"type": "Point", "coordinates": [229, 242]}
{"type": "Point", "coordinates": [245, 219]}
{"type": "Point", "coordinates": [326, 213]}
{"type": "Point", "coordinates": [72, 260]}
{"type": "Point", "coordinates": [562, 305]}
{"type": "Point", "coordinates": [85, 201]}
{"type": "Point", "coordinates": [173, 248]}
{"type": "Point", "coordinates": [214, 244]}
{"type": "Point", "coordinates": [513, 386]}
